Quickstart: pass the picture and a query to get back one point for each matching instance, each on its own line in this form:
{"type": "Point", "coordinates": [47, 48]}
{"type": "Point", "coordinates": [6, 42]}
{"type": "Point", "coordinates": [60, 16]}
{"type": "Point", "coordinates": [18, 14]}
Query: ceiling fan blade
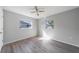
{"type": "Point", "coordinates": [33, 11]}
{"type": "Point", "coordinates": [41, 11]}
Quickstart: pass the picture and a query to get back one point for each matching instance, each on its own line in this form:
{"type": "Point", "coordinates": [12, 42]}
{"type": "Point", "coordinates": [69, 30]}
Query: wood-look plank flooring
{"type": "Point", "coordinates": [34, 45]}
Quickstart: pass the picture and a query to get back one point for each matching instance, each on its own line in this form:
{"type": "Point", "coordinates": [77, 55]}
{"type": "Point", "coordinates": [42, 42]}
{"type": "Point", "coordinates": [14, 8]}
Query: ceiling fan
{"type": "Point", "coordinates": [37, 10]}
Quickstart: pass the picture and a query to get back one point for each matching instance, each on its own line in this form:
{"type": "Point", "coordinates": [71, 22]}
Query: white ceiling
{"type": "Point", "coordinates": [49, 10]}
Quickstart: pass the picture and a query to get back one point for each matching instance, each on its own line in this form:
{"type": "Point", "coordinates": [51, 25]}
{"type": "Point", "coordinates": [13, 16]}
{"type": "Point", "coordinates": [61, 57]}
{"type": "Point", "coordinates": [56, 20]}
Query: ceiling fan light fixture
{"type": "Point", "coordinates": [37, 10]}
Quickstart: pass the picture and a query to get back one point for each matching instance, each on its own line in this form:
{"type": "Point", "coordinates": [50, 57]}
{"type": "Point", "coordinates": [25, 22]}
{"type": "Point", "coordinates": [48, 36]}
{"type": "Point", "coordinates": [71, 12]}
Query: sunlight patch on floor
{"type": "Point", "coordinates": [45, 37]}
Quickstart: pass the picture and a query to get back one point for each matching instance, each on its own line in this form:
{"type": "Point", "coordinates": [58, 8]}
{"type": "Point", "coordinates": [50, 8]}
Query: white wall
{"type": "Point", "coordinates": [66, 27]}
{"type": "Point", "coordinates": [12, 32]}
{"type": "Point", "coordinates": [1, 27]}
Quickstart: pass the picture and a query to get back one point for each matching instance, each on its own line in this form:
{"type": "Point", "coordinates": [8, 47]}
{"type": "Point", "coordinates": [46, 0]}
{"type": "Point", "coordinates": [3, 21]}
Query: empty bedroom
{"type": "Point", "coordinates": [39, 29]}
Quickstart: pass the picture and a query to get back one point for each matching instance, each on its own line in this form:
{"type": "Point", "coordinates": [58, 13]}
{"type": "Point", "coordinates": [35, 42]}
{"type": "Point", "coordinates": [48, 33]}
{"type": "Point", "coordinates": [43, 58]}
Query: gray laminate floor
{"type": "Point", "coordinates": [34, 45]}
